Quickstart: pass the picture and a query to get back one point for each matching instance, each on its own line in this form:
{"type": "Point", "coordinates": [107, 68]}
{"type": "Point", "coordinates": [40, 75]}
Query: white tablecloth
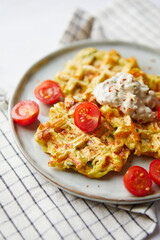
{"type": "Point", "coordinates": [30, 30]}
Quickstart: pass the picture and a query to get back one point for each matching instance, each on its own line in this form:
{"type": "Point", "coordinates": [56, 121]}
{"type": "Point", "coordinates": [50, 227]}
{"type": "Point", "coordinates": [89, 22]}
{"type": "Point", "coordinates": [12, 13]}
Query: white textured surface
{"type": "Point", "coordinates": [31, 29]}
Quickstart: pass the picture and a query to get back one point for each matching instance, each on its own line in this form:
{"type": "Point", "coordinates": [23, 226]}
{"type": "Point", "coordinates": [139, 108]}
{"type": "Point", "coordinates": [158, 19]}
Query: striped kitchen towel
{"type": "Point", "coordinates": [123, 20]}
{"type": "Point", "coordinates": [31, 207]}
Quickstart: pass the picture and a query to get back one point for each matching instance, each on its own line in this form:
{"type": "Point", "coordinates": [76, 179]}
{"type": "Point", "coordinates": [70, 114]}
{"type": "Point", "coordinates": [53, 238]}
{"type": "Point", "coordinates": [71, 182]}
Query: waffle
{"type": "Point", "coordinates": [90, 67]}
{"type": "Point", "coordinates": [149, 143]}
{"type": "Point", "coordinates": [109, 146]}
{"type": "Point", "coordinates": [92, 154]}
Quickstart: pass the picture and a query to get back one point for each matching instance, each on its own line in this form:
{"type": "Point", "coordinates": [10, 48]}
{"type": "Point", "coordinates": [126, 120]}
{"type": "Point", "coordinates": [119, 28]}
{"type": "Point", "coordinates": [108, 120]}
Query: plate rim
{"type": "Point", "coordinates": [43, 61]}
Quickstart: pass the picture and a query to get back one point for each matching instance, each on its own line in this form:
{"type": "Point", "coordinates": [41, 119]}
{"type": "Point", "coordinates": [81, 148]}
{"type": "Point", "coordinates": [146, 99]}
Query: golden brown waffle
{"type": "Point", "coordinates": [90, 67]}
{"type": "Point", "coordinates": [109, 146]}
{"type": "Point", "coordinates": [149, 143]}
{"type": "Point", "coordinates": [92, 154]}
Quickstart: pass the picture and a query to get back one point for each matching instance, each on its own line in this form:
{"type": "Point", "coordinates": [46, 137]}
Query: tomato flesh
{"type": "Point", "coordinates": [25, 112]}
{"type": "Point", "coordinates": [154, 171]}
{"type": "Point", "coordinates": [87, 116]}
{"type": "Point", "coordinates": [137, 181]}
{"type": "Point", "coordinates": [159, 113]}
{"type": "Point", "coordinates": [48, 92]}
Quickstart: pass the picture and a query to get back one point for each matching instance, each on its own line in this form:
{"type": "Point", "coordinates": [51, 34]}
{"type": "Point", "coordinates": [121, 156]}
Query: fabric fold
{"type": "Point", "coordinates": [79, 27]}
{"type": "Point", "coordinates": [127, 21]}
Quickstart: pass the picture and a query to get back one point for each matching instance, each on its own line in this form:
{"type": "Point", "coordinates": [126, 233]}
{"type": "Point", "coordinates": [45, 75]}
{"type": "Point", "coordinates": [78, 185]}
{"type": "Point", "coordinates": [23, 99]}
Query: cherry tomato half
{"type": "Point", "coordinates": [154, 171]}
{"type": "Point", "coordinates": [25, 112]}
{"type": "Point", "coordinates": [48, 92]}
{"type": "Point", "coordinates": [159, 113]}
{"type": "Point", "coordinates": [137, 181]}
{"type": "Point", "coordinates": [87, 116]}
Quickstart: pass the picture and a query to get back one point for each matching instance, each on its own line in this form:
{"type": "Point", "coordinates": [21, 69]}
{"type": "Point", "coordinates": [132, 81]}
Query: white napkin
{"type": "Point", "coordinates": [124, 20]}
{"type": "Point", "coordinates": [31, 207]}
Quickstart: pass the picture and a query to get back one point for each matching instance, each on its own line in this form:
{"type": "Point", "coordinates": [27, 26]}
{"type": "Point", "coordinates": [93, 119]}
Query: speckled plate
{"type": "Point", "coordinates": [109, 189]}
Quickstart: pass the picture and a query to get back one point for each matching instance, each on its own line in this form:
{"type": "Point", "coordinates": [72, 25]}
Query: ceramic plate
{"type": "Point", "coordinates": [109, 189]}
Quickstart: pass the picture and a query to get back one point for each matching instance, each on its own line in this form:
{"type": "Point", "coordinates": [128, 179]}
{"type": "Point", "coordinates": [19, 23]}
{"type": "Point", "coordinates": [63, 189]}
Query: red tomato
{"type": "Point", "coordinates": [154, 171]}
{"type": "Point", "coordinates": [159, 113]}
{"type": "Point", "coordinates": [87, 116]}
{"type": "Point", "coordinates": [25, 112]}
{"type": "Point", "coordinates": [137, 181]}
{"type": "Point", "coordinates": [48, 92]}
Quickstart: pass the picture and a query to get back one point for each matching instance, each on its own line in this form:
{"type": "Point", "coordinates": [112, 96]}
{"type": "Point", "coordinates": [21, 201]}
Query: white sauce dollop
{"type": "Point", "coordinates": [129, 95]}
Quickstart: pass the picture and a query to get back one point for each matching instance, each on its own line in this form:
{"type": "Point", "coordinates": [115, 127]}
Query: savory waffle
{"type": "Point", "coordinates": [109, 146]}
{"type": "Point", "coordinates": [90, 67]}
{"type": "Point", "coordinates": [92, 154]}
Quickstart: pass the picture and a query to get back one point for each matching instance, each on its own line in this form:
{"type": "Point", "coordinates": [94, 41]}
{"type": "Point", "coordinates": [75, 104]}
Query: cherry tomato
{"type": "Point", "coordinates": [87, 116]}
{"type": "Point", "coordinates": [159, 113]}
{"type": "Point", "coordinates": [25, 112]}
{"type": "Point", "coordinates": [137, 181]}
{"type": "Point", "coordinates": [48, 92]}
{"type": "Point", "coordinates": [154, 171]}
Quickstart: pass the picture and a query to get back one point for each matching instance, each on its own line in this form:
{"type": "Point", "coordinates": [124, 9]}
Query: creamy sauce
{"type": "Point", "coordinates": [129, 96]}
